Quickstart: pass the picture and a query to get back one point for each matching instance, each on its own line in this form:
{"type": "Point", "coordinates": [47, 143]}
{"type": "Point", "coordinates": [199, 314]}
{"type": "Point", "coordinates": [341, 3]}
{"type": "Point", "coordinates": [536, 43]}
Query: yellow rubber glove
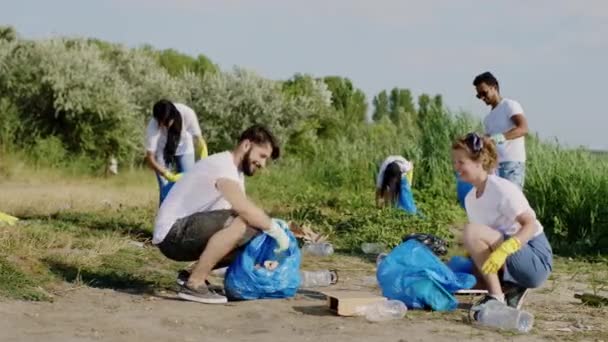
{"type": "Point", "coordinates": [202, 148]}
{"type": "Point", "coordinates": [499, 256]}
{"type": "Point", "coordinates": [8, 219]}
{"type": "Point", "coordinates": [410, 176]}
{"type": "Point", "coordinates": [172, 177]}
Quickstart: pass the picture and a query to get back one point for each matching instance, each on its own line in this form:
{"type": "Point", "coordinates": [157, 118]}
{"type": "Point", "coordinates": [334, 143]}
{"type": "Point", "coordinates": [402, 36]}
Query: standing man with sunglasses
{"type": "Point", "coordinates": [507, 126]}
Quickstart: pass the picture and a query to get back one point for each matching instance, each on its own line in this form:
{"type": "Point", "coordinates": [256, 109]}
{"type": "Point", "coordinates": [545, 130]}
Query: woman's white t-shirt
{"type": "Point", "coordinates": [499, 206]}
{"type": "Point", "coordinates": [156, 136]}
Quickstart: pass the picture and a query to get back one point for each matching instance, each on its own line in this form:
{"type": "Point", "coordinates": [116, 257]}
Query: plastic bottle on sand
{"type": "Point", "coordinates": [318, 249]}
{"type": "Point", "coordinates": [385, 310]}
{"type": "Point", "coordinates": [318, 278]}
{"type": "Point", "coordinates": [501, 316]}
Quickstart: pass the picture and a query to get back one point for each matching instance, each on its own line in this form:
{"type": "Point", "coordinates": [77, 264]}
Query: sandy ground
{"type": "Point", "coordinates": [93, 314]}
{"type": "Point", "coordinates": [81, 313]}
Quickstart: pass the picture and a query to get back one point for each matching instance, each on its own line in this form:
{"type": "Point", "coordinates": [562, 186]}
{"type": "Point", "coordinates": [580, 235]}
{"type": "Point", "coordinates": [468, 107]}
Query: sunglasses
{"type": "Point", "coordinates": [482, 94]}
{"type": "Point", "coordinates": [474, 142]}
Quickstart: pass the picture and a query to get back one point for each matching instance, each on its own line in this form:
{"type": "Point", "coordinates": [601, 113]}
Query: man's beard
{"type": "Point", "coordinates": [246, 165]}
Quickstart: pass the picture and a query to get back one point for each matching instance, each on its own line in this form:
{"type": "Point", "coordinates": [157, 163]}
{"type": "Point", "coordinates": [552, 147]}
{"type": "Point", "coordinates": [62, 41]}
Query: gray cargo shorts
{"type": "Point", "coordinates": [188, 237]}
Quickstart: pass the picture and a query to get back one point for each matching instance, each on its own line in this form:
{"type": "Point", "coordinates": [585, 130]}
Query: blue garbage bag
{"type": "Point", "coordinates": [461, 264]}
{"type": "Point", "coordinates": [246, 281]}
{"type": "Point", "coordinates": [414, 275]}
{"type": "Point", "coordinates": [406, 198]}
{"type": "Point", "coordinates": [462, 189]}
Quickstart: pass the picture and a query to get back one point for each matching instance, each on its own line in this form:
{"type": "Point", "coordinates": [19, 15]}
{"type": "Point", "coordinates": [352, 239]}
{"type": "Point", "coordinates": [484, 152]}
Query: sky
{"type": "Point", "coordinates": [550, 55]}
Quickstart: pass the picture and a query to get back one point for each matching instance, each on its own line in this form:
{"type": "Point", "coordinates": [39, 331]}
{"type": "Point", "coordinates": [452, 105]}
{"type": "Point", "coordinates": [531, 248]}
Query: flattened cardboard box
{"type": "Point", "coordinates": [345, 303]}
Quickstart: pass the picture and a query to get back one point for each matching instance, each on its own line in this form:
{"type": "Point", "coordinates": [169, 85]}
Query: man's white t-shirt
{"type": "Point", "coordinates": [156, 137]}
{"type": "Point", "coordinates": [403, 163]}
{"type": "Point", "coordinates": [196, 192]}
{"type": "Point", "coordinates": [498, 121]}
{"type": "Point", "coordinates": [499, 206]}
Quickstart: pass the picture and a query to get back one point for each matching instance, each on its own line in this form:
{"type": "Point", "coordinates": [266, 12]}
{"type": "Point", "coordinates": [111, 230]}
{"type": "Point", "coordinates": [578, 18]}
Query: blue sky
{"type": "Point", "coordinates": [549, 55]}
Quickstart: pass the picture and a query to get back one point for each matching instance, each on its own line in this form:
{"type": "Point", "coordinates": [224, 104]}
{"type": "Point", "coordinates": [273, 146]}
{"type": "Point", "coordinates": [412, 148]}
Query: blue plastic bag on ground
{"type": "Point", "coordinates": [406, 197]}
{"type": "Point", "coordinates": [246, 281]}
{"type": "Point", "coordinates": [412, 274]}
{"type": "Point", "coordinates": [461, 264]}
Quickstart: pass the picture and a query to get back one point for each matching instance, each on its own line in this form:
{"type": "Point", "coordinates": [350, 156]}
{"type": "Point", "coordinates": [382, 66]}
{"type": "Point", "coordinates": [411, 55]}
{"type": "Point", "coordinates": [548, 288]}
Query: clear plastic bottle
{"type": "Point", "coordinates": [385, 310]}
{"type": "Point", "coordinates": [318, 278]}
{"type": "Point", "coordinates": [498, 315]}
{"type": "Point", "coordinates": [380, 257]}
{"type": "Point", "coordinates": [372, 248]}
{"type": "Point", "coordinates": [318, 249]}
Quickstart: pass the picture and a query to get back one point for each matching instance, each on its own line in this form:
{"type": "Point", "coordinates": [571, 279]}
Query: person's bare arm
{"type": "Point", "coordinates": [247, 210]}
{"type": "Point", "coordinates": [153, 164]}
{"type": "Point", "coordinates": [520, 129]}
{"type": "Point", "coordinates": [528, 228]}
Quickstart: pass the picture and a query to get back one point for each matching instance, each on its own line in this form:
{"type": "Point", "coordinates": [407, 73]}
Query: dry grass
{"type": "Point", "coordinates": [75, 229]}
{"type": "Point", "coordinates": [26, 198]}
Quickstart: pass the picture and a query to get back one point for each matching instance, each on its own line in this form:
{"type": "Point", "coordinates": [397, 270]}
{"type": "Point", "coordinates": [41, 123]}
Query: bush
{"type": "Point", "coordinates": [63, 88]}
{"type": "Point", "coordinates": [568, 188]}
{"type": "Point", "coordinates": [229, 102]}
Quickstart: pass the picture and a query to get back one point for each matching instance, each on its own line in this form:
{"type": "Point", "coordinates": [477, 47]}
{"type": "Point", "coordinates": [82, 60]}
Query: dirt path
{"type": "Point", "coordinates": [92, 314]}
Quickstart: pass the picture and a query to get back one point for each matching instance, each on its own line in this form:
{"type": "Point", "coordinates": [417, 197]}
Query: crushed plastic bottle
{"type": "Point", "coordinates": [498, 315]}
{"type": "Point", "coordinates": [380, 257]}
{"type": "Point", "coordinates": [372, 248]}
{"type": "Point", "coordinates": [385, 310]}
{"type": "Point", "coordinates": [318, 278]}
{"type": "Point", "coordinates": [318, 249]}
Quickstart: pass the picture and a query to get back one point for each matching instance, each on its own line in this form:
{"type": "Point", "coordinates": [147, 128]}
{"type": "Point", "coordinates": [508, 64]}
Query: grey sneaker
{"type": "Point", "coordinates": [182, 279]}
{"type": "Point", "coordinates": [202, 294]}
{"type": "Point", "coordinates": [515, 297]}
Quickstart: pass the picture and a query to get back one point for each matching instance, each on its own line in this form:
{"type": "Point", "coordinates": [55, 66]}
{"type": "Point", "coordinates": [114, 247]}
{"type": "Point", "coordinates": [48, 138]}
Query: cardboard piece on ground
{"type": "Point", "coordinates": [345, 303]}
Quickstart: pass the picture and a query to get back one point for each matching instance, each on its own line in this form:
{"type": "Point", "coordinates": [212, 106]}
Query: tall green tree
{"type": "Point", "coordinates": [8, 33]}
{"type": "Point", "coordinates": [401, 103]}
{"type": "Point", "coordinates": [381, 106]}
{"type": "Point", "coordinates": [347, 99]}
{"type": "Point", "coordinates": [176, 63]}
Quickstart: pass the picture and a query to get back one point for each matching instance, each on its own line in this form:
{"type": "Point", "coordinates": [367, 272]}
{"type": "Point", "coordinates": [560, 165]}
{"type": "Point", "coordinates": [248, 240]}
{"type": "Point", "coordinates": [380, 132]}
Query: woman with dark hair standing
{"type": "Point", "coordinates": [393, 171]}
{"type": "Point", "coordinates": [171, 138]}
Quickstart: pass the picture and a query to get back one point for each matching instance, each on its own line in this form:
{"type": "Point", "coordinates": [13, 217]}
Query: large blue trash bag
{"type": "Point", "coordinates": [406, 197]}
{"type": "Point", "coordinates": [462, 189]}
{"type": "Point", "coordinates": [412, 274]}
{"type": "Point", "coordinates": [246, 281]}
{"type": "Point", "coordinates": [461, 264]}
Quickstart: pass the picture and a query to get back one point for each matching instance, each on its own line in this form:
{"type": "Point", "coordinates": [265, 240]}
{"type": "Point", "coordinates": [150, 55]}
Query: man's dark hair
{"type": "Point", "coordinates": [486, 78]}
{"type": "Point", "coordinates": [259, 134]}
